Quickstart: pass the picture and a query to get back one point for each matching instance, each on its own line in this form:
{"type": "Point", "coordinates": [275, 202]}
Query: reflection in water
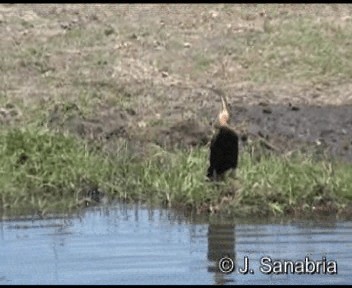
{"type": "Point", "coordinates": [134, 245]}
{"type": "Point", "coordinates": [221, 243]}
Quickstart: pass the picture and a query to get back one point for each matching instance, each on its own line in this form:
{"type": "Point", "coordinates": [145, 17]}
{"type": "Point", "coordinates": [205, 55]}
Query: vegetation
{"type": "Point", "coordinates": [47, 171]}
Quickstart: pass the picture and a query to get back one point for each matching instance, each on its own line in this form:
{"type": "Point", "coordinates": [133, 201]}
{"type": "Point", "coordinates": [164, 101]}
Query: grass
{"type": "Point", "coordinates": [47, 171]}
{"type": "Point", "coordinates": [43, 170]}
{"type": "Point", "coordinates": [296, 48]}
{"type": "Point", "coordinates": [299, 49]}
{"type": "Point", "coordinates": [294, 183]}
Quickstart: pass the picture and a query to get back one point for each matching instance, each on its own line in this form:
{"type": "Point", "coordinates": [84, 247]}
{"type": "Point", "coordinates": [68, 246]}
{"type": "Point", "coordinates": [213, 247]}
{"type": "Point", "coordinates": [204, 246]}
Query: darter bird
{"type": "Point", "coordinates": [223, 146]}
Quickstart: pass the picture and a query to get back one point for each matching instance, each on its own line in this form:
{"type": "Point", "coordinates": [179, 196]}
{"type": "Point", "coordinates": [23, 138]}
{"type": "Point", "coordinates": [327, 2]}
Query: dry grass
{"type": "Point", "coordinates": [101, 53]}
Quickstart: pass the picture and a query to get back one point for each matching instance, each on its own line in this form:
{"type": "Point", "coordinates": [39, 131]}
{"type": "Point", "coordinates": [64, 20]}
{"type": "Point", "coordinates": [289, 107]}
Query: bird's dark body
{"type": "Point", "coordinates": [223, 152]}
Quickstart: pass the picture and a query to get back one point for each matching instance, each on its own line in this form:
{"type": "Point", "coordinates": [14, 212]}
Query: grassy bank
{"type": "Point", "coordinates": [46, 172]}
{"type": "Point", "coordinates": [135, 72]}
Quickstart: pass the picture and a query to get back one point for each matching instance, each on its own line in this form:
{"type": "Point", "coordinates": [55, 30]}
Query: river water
{"type": "Point", "coordinates": [126, 244]}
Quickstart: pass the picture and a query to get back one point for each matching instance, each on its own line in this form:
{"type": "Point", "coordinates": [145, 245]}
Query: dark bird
{"type": "Point", "coordinates": [223, 146]}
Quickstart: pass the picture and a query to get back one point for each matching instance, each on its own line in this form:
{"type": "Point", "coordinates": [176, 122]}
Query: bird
{"type": "Point", "coordinates": [223, 146]}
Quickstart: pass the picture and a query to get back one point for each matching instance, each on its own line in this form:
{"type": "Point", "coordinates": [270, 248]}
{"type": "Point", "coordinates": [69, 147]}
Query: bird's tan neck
{"type": "Point", "coordinates": [224, 118]}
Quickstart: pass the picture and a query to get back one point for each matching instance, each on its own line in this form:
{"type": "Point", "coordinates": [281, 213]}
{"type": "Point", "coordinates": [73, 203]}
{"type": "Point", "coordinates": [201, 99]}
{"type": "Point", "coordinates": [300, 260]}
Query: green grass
{"type": "Point", "coordinates": [298, 182]}
{"type": "Point", "coordinates": [42, 170]}
{"type": "Point", "coordinates": [46, 171]}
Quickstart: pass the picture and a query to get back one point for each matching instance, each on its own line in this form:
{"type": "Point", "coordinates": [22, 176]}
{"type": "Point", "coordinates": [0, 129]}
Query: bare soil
{"type": "Point", "coordinates": [286, 127]}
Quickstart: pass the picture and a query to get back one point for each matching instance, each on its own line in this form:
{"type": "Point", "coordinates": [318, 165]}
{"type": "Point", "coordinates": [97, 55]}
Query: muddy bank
{"type": "Point", "coordinates": [292, 127]}
{"type": "Point", "coordinates": [287, 127]}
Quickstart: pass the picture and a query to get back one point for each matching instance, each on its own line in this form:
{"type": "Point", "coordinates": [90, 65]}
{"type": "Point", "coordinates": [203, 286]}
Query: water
{"type": "Point", "coordinates": [134, 245]}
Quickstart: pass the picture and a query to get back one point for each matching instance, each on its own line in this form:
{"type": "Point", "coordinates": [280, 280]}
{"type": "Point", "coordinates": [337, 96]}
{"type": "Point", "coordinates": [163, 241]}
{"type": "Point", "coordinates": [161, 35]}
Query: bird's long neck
{"type": "Point", "coordinates": [224, 113]}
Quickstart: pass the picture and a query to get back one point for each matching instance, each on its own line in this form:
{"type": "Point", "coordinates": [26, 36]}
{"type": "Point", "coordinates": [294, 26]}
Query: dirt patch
{"type": "Point", "coordinates": [9, 113]}
{"type": "Point", "coordinates": [114, 123]}
{"type": "Point", "coordinates": [109, 124]}
{"type": "Point", "coordinates": [287, 127]}
{"type": "Point", "coordinates": [291, 127]}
